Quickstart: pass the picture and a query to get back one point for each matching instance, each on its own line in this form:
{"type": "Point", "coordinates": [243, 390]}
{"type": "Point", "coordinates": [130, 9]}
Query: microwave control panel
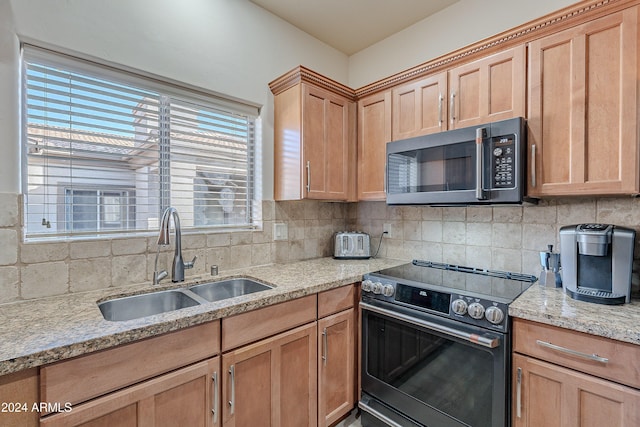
{"type": "Point", "coordinates": [503, 159]}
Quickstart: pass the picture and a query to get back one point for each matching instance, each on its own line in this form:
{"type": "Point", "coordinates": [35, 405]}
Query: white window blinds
{"type": "Point", "coordinates": [107, 151]}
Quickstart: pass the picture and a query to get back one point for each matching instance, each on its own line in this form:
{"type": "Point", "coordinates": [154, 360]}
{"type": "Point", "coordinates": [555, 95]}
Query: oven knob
{"type": "Point", "coordinates": [476, 310]}
{"type": "Point", "coordinates": [376, 288]}
{"type": "Point", "coordinates": [497, 152]}
{"type": "Point", "coordinates": [388, 290]}
{"type": "Point", "coordinates": [366, 285]}
{"type": "Point", "coordinates": [459, 307]}
{"type": "Point", "coordinates": [494, 315]}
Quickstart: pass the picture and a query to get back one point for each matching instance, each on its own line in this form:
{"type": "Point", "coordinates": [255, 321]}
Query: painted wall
{"type": "Point", "coordinates": [227, 46]}
{"type": "Point", "coordinates": [459, 25]}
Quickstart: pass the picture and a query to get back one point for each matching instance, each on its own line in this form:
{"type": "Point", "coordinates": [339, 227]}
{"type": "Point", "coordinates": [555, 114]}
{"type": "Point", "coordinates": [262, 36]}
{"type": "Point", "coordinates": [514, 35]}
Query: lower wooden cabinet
{"type": "Point", "coordinates": [336, 366]}
{"type": "Point", "coordinates": [290, 364]}
{"type": "Point", "coordinates": [19, 398]}
{"type": "Point", "coordinates": [186, 397]}
{"type": "Point", "coordinates": [553, 396]}
{"type": "Point", "coordinates": [272, 382]}
{"type": "Point", "coordinates": [564, 378]}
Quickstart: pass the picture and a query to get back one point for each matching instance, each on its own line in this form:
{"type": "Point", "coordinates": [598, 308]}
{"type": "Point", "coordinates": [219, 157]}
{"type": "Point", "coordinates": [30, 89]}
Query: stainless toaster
{"type": "Point", "coordinates": [352, 245]}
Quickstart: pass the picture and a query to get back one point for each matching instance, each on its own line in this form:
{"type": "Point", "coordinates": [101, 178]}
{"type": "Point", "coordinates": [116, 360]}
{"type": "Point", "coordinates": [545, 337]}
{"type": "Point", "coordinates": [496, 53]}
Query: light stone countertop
{"type": "Point", "coordinates": [553, 306]}
{"type": "Point", "coordinates": [37, 332]}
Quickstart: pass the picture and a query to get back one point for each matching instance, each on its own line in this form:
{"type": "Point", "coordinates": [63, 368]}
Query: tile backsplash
{"type": "Point", "coordinates": [495, 237]}
{"type": "Point", "coordinates": [41, 269]}
{"type": "Point", "coordinates": [500, 237]}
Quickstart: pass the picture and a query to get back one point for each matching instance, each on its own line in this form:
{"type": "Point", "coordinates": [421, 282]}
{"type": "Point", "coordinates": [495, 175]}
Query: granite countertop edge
{"type": "Point", "coordinates": [552, 306]}
{"type": "Point", "coordinates": [42, 331]}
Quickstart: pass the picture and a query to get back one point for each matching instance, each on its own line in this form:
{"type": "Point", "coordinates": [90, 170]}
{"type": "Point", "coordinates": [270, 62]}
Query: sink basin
{"type": "Point", "coordinates": [223, 289]}
{"type": "Point", "coordinates": [137, 306]}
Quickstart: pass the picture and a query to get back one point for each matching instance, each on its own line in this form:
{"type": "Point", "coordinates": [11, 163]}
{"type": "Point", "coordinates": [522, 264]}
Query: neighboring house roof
{"type": "Point", "coordinates": [58, 141]}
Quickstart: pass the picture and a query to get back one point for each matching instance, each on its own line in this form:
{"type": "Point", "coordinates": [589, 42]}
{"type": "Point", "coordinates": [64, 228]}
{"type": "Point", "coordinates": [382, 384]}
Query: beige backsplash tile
{"type": "Point", "coordinates": [9, 211]}
{"type": "Point", "coordinates": [8, 246]}
{"type": "Point", "coordinates": [127, 269]}
{"type": "Point", "coordinates": [42, 252]}
{"type": "Point", "coordinates": [90, 274]}
{"type": "Point", "coordinates": [9, 284]}
{"type": "Point", "coordinates": [130, 246]}
{"type": "Point", "coordinates": [90, 249]}
{"type": "Point", "coordinates": [499, 237]}
{"type": "Point", "coordinates": [44, 279]}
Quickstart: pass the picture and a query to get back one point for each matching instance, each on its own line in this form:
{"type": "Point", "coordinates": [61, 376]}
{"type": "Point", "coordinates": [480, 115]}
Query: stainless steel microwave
{"type": "Point", "coordinates": [482, 164]}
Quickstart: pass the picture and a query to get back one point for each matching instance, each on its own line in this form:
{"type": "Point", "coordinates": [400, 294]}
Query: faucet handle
{"type": "Point", "coordinates": [189, 264]}
{"type": "Point", "coordinates": [159, 275]}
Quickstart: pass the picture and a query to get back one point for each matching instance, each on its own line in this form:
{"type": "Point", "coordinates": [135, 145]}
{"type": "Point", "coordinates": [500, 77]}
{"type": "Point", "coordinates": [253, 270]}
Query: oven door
{"type": "Point", "coordinates": [433, 370]}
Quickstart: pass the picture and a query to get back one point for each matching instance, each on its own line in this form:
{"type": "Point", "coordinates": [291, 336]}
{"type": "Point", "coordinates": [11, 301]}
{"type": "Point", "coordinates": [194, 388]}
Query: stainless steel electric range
{"type": "Point", "coordinates": [435, 345]}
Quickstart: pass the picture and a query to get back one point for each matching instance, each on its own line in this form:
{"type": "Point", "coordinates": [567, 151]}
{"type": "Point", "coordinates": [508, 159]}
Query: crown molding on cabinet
{"type": "Point", "coordinates": [553, 22]}
{"type": "Point", "coordinates": [301, 74]}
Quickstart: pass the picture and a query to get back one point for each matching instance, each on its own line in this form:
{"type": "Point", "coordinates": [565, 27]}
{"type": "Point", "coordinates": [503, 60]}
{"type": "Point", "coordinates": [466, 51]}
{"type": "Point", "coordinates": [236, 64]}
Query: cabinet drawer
{"type": "Point", "coordinates": [85, 377]}
{"type": "Point", "coordinates": [335, 300]}
{"type": "Point", "coordinates": [264, 322]}
{"type": "Point", "coordinates": [542, 341]}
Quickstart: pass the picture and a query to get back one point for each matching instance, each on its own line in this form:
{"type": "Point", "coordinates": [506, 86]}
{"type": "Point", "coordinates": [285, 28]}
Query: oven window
{"type": "Point", "coordinates": [442, 168]}
{"type": "Point", "coordinates": [452, 377]}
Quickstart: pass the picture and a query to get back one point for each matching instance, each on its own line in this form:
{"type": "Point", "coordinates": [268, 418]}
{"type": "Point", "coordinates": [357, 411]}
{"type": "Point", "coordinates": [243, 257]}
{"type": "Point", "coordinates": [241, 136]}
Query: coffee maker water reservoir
{"type": "Point", "coordinates": [597, 260]}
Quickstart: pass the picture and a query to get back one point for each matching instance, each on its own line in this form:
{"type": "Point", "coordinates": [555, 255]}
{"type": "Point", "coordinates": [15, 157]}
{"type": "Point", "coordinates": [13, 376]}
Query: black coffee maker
{"type": "Point", "coordinates": [597, 260]}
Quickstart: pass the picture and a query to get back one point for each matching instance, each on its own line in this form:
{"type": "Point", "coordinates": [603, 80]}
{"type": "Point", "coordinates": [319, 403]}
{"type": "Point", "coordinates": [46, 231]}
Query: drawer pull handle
{"type": "Point", "coordinates": [593, 356]}
{"type": "Point", "coordinates": [214, 377]}
{"type": "Point", "coordinates": [232, 401]}
{"type": "Point", "coordinates": [324, 346]}
{"type": "Point", "coordinates": [519, 394]}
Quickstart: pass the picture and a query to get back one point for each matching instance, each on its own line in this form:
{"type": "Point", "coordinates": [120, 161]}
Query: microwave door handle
{"type": "Point", "coordinates": [480, 133]}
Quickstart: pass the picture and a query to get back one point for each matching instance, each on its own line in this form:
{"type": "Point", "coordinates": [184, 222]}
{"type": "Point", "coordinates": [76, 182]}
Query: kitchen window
{"type": "Point", "coordinates": [105, 151]}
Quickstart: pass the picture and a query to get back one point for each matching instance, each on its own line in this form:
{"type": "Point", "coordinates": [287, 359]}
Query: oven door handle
{"type": "Point", "coordinates": [472, 338]}
{"type": "Point", "coordinates": [378, 415]}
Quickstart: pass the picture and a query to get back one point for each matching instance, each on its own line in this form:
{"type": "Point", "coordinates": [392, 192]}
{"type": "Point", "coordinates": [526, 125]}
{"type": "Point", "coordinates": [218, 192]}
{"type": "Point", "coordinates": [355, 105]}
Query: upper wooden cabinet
{"type": "Point", "coordinates": [583, 109]}
{"type": "Point", "coordinates": [420, 107]}
{"type": "Point", "coordinates": [488, 89]}
{"type": "Point", "coordinates": [374, 131]}
{"type": "Point", "coordinates": [314, 138]}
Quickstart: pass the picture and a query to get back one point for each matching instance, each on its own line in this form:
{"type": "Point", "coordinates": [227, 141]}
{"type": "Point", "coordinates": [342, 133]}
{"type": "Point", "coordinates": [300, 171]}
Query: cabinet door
{"type": "Point", "coordinates": [552, 396]}
{"type": "Point", "coordinates": [374, 131]}
{"type": "Point", "coordinates": [19, 392]}
{"type": "Point", "coordinates": [328, 132]}
{"type": "Point", "coordinates": [188, 396]}
{"type": "Point", "coordinates": [336, 380]}
{"type": "Point", "coordinates": [583, 133]}
{"type": "Point", "coordinates": [419, 107]}
{"type": "Point", "coordinates": [272, 382]}
{"type": "Point", "coordinates": [489, 89]}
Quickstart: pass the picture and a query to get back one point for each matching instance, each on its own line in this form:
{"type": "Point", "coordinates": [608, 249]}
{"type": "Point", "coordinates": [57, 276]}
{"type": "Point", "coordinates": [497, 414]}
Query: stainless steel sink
{"type": "Point", "coordinates": [223, 289]}
{"type": "Point", "coordinates": [137, 306]}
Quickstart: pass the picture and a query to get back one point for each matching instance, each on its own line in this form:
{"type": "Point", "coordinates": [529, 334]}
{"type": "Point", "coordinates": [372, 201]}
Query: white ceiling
{"type": "Point", "coordinates": [352, 25]}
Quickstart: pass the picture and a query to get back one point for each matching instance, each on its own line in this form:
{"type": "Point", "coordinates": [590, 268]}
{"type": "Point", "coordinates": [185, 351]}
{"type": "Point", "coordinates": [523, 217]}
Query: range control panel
{"type": "Point", "coordinates": [463, 307]}
{"type": "Point", "coordinates": [503, 155]}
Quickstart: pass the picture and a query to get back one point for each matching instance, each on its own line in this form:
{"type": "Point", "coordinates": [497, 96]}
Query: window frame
{"type": "Point", "coordinates": [168, 89]}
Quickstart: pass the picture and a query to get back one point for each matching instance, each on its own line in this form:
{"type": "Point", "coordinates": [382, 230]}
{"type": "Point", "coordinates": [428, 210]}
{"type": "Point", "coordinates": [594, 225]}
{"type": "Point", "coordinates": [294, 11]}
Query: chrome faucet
{"type": "Point", "coordinates": [178, 266]}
